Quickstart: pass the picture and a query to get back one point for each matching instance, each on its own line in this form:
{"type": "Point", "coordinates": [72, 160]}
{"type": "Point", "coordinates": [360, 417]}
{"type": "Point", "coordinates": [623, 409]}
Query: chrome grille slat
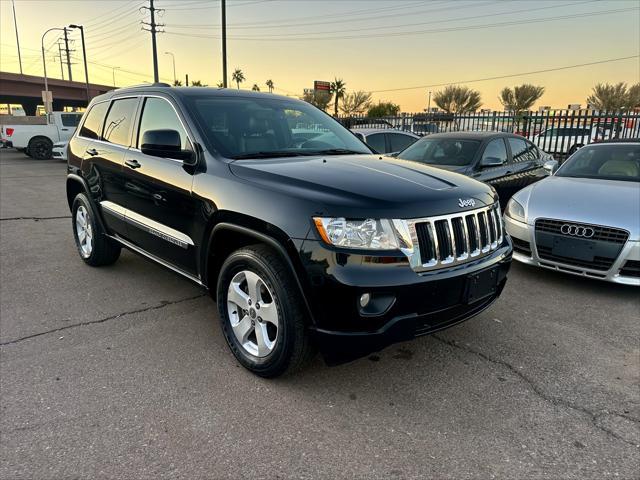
{"type": "Point", "coordinates": [448, 240]}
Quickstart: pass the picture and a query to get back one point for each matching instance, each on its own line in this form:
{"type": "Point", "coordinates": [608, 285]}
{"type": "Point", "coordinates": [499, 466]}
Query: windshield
{"type": "Point", "coordinates": [442, 151]}
{"type": "Point", "coordinates": [607, 161]}
{"type": "Point", "coordinates": [258, 127]}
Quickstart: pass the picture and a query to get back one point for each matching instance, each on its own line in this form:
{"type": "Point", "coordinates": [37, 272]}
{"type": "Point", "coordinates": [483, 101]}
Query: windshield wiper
{"type": "Point", "coordinates": [269, 154]}
{"type": "Point", "coordinates": [337, 151]}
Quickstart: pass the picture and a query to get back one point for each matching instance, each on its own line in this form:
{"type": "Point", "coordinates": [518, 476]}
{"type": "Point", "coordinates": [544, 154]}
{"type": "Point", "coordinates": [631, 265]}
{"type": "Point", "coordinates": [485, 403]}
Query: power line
{"type": "Point", "coordinates": [285, 37]}
{"type": "Point", "coordinates": [361, 17]}
{"type": "Point", "coordinates": [473, 17]}
{"type": "Point", "coordinates": [546, 70]}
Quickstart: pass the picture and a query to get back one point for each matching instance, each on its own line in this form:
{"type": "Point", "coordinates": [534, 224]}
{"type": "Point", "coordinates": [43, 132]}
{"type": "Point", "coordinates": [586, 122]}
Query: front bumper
{"type": "Point", "coordinates": [422, 303]}
{"type": "Point", "coordinates": [523, 232]}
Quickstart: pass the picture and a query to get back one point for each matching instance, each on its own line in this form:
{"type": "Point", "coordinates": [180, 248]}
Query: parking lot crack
{"type": "Point", "coordinates": [36, 219]}
{"type": "Point", "coordinates": [558, 402]}
{"type": "Point", "coordinates": [101, 320]}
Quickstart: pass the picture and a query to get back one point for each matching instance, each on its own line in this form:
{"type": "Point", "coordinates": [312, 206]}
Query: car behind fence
{"type": "Point", "coordinates": [559, 132]}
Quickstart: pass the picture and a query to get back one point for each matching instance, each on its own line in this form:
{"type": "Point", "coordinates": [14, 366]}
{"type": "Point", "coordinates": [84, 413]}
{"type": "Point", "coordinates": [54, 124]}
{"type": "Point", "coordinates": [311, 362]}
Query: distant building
{"type": "Point", "coordinates": [574, 106]}
{"type": "Point", "coordinates": [544, 108]}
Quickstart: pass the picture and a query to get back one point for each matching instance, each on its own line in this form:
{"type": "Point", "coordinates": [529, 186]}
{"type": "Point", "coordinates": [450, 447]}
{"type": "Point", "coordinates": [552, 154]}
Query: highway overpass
{"type": "Point", "coordinates": [26, 90]}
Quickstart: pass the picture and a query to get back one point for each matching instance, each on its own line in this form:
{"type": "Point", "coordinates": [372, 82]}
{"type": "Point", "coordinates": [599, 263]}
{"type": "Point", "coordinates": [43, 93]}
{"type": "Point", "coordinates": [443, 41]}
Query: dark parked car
{"type": "Point", "coordinates": [505, 161]}
{"type": "Point", "coordinates": [385, 140]}
{"type": "Point", "coordinates": [319, 243]}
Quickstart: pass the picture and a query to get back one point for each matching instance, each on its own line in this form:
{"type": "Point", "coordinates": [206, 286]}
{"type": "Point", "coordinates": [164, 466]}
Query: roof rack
{"type": "Point", "coordinates": [146, 85]}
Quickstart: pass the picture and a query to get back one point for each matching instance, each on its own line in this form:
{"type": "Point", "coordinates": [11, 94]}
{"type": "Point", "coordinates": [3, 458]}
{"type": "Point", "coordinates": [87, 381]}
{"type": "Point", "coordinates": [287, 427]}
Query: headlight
{"type": "Point", "coordinates": [370, 234]}
{"type": "Point", "coordinates": [515, 210]}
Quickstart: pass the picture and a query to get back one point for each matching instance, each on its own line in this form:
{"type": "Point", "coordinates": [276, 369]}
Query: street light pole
{"type": "Point", "coordinates": [113, 72]}
{"type": "Point", "coordinates": [84, 57]}
{"type": "Point", "coordinates": [224, 43]}
{"type": "Point", "coordinates": [44, 66]}
{"type": "Point", "coordinates": [173, 59]}
{"type": "Point", "coordinates": [429, 104]}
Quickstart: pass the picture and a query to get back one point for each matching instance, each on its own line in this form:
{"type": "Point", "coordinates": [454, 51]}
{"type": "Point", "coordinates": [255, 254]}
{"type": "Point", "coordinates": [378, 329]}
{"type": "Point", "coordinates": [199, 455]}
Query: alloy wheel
{"type": "Point", "coordinates": [84, 231]}
{"type": "Point", "coordinates": [253, 313]}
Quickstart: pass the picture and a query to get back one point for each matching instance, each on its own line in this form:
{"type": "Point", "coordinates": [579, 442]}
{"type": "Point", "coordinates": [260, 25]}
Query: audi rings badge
{"type": "Point", "coordinates": [577, 230]}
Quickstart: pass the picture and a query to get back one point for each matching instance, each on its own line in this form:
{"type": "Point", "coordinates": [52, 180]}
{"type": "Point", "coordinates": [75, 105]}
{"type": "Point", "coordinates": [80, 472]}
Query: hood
{"type": "Point", "coordinates": [352, 185]}
{"type": "Point", "coordinates": [601, 202]}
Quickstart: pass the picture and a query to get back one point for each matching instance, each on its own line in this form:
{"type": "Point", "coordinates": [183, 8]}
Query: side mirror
{"type": "Point", "coordinates": [491, 162]}
{"type": "Point", "coordinates": [166, 144]}
{"type": "Point", "coordinates": [550, 166]}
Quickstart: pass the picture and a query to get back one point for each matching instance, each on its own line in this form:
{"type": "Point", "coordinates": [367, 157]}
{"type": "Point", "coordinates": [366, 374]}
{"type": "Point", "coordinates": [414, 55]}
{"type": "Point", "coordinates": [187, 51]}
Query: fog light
{"type": "Point", "coordinates": [365, 298]}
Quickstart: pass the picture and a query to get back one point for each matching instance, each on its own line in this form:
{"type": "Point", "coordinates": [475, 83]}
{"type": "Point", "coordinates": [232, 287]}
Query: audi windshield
{"type": "Point", "coordinates": [259, 127]}
{"type": "Point", "coordinates": [612, 161]}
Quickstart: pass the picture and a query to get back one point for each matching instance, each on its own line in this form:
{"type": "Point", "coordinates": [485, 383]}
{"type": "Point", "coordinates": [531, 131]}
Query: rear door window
{"type": "Point", "coordinates": [398, 141]}
{"type": "Point", "coordinates": [521, 150]}
{"type": "Point", "coordinates": [70, 119]}
{"type": "Point", "coordinates": [92, 126]}
{"type": "Point", "coordinates": [117, 127]}
{"type": "Point", "coordinates": [377, 142]}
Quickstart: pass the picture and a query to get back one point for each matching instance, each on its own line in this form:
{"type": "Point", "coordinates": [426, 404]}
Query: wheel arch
{"type": "Point", "coordinates": [75, 185]}
{"type": "Point", "coordinates": [233, 231]}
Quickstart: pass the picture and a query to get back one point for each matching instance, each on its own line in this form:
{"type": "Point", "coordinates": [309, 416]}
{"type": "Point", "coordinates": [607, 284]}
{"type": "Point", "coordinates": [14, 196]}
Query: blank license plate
{"type": "Point", "coordinates": [481, 284]}
{"type": "Point", "coordinates": [574, 248]}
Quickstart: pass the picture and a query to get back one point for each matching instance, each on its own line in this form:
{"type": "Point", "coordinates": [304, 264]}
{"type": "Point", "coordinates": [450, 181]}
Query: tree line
{"type": "Point", "coordinates": [451, 99]}
{"type": "Point", "coordinates": [462, 99]}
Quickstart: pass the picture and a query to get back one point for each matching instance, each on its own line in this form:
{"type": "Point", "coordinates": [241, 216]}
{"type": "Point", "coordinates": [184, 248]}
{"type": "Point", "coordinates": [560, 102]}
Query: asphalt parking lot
{"type": "Point", "coordinates": [122, 372]}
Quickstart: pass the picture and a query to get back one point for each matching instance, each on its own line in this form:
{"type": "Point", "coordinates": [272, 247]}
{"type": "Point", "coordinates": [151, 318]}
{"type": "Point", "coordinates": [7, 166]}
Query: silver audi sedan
{"type": "Point", "coordinates": [585, 218]}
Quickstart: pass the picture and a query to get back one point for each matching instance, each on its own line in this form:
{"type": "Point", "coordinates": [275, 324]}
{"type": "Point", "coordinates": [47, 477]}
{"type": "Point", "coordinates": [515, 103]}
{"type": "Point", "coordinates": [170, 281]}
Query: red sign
{"type": "Point", "coordinates": [320, 86]}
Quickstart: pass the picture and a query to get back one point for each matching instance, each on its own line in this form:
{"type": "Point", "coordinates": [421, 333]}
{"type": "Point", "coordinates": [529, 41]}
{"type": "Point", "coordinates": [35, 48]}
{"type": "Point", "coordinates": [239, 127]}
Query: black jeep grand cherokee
{"type": "Point", "coordinates": [303, 242]}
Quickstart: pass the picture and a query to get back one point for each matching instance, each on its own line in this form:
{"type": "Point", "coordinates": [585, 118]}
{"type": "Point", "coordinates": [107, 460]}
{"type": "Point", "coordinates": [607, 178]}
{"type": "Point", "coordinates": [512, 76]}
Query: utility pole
{"type": "Point", "coordinates": [224, 43]}
{"type": "Point", "coordinates": [186, 78]}
{"type": "Point", "coordinates": [47, 103]}
{"type": "Point", "coordinates": [66, 48]}
{"type": "Point", "coordinates": [153, 28]}
{"type": "Point", "coordinates": [113, 72]}
{"type": "Point", "coordinates": [61, 62]}
{"type": "Point", "coordinates": [84, 56]}
{"type": "Point", "coordinates": [429, 104]}
{"type": "Point", "coordinates": [15, 24]}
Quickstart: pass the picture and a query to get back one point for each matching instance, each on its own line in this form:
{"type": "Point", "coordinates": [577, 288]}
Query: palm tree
{"type": "Point", "coordinates": [238, 77]}
{"type": "Point", "coordinates": [457, 99]}
{"type": "Point", "coordinates": [197, 83]}
{"type": "Point", "coordinates": [614, 97]}
{"type": "Point", "coordinates": [255, 87]}
{"type": "Point", "coordinates": [177, 83]}
{"type": "Point", "coordinates": [521, 98]}
{"type": "Point", "coordinates": [269, 84]}
{"type": "Point", "coordinates": [220, 84]}
{"type": "Point", "coordinates": [338, 88]}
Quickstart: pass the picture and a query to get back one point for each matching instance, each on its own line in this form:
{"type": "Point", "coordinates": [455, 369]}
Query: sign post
{"type": "Point", "coordinates": [321, 86]}
{"type": "Point", "coordinates": [47, 100]}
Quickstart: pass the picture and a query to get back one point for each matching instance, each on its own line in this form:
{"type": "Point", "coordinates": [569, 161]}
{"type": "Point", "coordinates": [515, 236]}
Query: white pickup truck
{"type": "Point", "coordinates": [37, 140]}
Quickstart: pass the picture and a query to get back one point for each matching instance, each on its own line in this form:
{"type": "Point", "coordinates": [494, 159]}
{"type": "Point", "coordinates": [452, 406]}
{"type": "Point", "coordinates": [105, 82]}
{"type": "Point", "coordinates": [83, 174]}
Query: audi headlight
{"type": "Point", "coordinates": [515, 210]}
{"type": "Point", "coordinates": [369, 234]}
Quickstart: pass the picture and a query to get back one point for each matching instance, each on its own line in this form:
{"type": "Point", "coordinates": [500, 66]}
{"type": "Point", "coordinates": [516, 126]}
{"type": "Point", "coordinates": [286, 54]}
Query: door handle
{"type": "Point", "coordinates": [92, 151]}
{"type": "Point", "coordinates": [133, 163]}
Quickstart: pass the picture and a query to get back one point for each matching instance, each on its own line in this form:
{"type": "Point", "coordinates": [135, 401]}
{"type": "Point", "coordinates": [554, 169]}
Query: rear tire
{"type": "Point", "coordinates": [40, 148]}
{"type": "Point", "coordinates": [94, 247]}
{"type": "Point", "coordinates": [254, 282]}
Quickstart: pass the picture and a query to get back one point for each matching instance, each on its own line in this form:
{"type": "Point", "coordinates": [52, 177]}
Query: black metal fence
{"type": "Point", "coordinates": [559, 132]}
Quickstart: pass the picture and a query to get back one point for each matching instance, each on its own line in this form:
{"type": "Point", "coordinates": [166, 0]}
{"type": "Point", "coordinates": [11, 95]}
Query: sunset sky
{"type": "Point", "coordinates": [374, 45]}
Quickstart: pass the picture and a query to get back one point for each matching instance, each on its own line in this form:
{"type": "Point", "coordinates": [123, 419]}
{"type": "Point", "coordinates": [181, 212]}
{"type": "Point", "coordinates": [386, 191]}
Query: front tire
{"type": "Point", "coordinates": [94, 247]}
{"type": "Point", "coordinates": [262, 316]}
